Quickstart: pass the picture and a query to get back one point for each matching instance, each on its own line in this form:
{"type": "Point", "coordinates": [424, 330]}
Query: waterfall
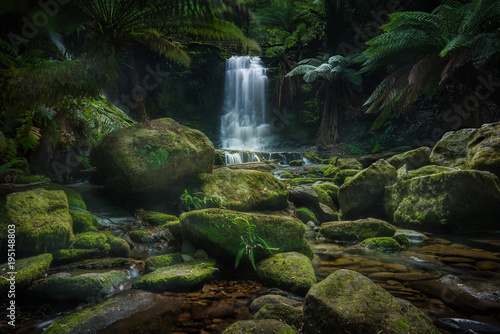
{"type": "Point", "coordinates": [243, 124]}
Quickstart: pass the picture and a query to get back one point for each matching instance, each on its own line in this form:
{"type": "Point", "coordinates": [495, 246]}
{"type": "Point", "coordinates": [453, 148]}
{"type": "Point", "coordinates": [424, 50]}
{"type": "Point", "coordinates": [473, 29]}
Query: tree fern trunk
{"type": "Point", "coordinates": [139, 107]}
{"type": "Point", "coordinates": [328, 132]}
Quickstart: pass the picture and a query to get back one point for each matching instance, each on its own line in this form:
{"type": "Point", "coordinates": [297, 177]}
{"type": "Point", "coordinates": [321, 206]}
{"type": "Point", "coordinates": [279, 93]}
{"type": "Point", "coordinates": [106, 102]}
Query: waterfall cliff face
{"type": "Point", "coordinates": [243, 124]}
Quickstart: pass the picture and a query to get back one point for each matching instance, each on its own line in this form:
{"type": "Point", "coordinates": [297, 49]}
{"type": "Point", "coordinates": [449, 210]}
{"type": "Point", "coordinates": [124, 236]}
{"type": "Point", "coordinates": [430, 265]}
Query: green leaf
{"type": "Point", "coordinates": [239, 256]}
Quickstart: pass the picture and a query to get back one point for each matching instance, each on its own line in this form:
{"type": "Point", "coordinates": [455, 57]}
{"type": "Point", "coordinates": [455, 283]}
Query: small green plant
{"type": "Point", "coordinates": [251, 242]}
{"type": "Point", "coordinates": [191, 201]}
{"type": "Point", "coordinates": [12, 168]}
{"type": "Point", "coordinates": [199, 200]}
{"type": "Point", "coordinates": [157, 158]}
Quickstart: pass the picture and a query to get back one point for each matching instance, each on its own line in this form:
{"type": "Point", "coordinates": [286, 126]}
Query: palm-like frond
{"type": "Point", "coordinates": [159, 43]}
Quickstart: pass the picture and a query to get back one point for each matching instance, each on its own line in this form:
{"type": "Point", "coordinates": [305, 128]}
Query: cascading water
{"type": "Point", "coordinates": [243, 125]}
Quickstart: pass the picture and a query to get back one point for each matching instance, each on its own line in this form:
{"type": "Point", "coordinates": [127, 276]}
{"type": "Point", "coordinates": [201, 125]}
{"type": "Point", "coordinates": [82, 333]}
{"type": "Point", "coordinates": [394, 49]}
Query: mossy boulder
{"type": "Point", "coordinates": [92, 240]}
{"type": "Point", "coordinates": [305, 215]}
{"type": "Point", "coordinates": [116, 262]}
{"type": "Point", "coordinates": [269, 326]}
{"type": "Point", "coordinates": [413, 159]}
{"type": "Point", "coordinates": [118, 246]}
{"type": "Point", "coordinates": [155, 218]}
{"type": "Point", "coordinates": [288, 314]}
{"type": "Point", "coordinates": [246, 190]}
{"type": "Point", "coordinates": [155, 262]}
{"type": "Point", "coordinates": [341, 176]}
{"type": "Point", "coordinates": [27, 270]}
{"type": "Point", "coordinates": [220, 232]}
{"type": "Point", "coordinates": [42, 220]}
{"type": "Point", "coordinates": [64, 256]}
{"type": "Point", "coordinates": [349, 302]}
{"type": "Point", "coordinates": [83, 221]}
{"type": "Point", "coordinates": [428, 170]}
{"type": "Point", "coordinates": [142, 164]}
{"type": "Point", "coordinates": [458, 201]}
{"type": "Point", "coordinates": [365, 191]}
{"type": "Point", "coordinates": [174, 227]}
{"type": "Point", "coordinates": [178, 276]}
{"type": "Point", "coordinates": [84, 287]}
{"type": "Point", "coordinates": [315, 199]}
{"type": "Point", "coordinates": [356, 230]}
{"type": "Point", "coordinates": [386, 244]}
{"type": "Point", "coordinates": [272, 299]}
{"type": "Point", "coordinates": [75, 200]}
{"type": "Point", "coordinates": [483, 151]}
{"type": "Point", "coordinates": [324, 197]}
{"type": "Point", "coordinates": [141, 236]}
{"type": "Point", "coordinates": [451, 150]}
{"type": "Point", "coordinates": [291, 271]}
{"type": "Point", "coordinates": [331, 189]}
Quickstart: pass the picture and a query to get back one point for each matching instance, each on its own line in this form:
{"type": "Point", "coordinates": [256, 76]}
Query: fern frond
{"type": "Point", "coordinates": [157, 42]}
{"type": "Point", "coordinates": [301, 69]}
{"type": "Point", "coordinates": [456, 42]}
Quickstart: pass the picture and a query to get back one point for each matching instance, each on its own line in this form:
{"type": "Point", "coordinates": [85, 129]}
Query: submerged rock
{"type": "Point", "coordinates": [357, 230]}
{"type": "Point", "coordinates": [290, 271]}
{"type": "Point", "coordinates": [246, 190]}
{"type": "Point", "coordinates": [26, 271]}
{"type": "Point", "coordinates": [351, 303]}
{"type": "Point", "coordinates": [178, 276]}
{"type": "Point", "coordinates": [460, 201]}
{"type": "Point", "coordinates": [141, 165]}
{"type": "Point", "coordinates": [221, 233]}
{"type": "Point", "coordinates": [259, 326]}
{"type": "Point", "coordinates": [451, 150]}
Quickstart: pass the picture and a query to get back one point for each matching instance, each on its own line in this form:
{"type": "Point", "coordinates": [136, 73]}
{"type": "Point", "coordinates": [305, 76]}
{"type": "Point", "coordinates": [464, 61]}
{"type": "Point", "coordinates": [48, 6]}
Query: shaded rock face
{"type": "Point", "coordinates": [220, 233]}
{"type": "Point", "coordinates": [351, 303]}
{"type": "Point", "coordinates": [291, 271]}
{"type": "Point", "coordinates": [27, 270]}
{"type": "Point", "coordinates": [288, 314]}
{"type": "Point", "coordinates": [316, 199]}
{"type": "Point", "coordinates": [246, 190]}
{"type": "Point", "coordinates": [458, 201]}
{"type": "Point", "coordinates": [413, 159]}
{"type": "Point", "coordinates": [42, 220]}
{"type": "Point", "coordinates": [259, 303]}
{"type": "Point", "coordinates": [483, 151]}
{"type": "Point", "coordinates": [365, 191]}
{"type": "Point", "coordinates": [451, 150]}
{"type": "Point", "coordinates": [357, 230]}
{"type": "Point", "coordinates": [139, 164]}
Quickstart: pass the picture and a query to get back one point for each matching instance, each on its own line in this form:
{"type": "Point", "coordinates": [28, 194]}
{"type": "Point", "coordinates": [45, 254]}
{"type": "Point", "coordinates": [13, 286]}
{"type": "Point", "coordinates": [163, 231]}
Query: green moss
{"type": "Point", "coordinates": [302, 180]}
{"type": "Point", "coordinates": [138, 235]}
{"type": "Point", "coordinates": [286, 174]}
{"type": "Point", "coordinates": [156, 262]}
{"type": "Point", "coordinates": [175, 228]}
{"type": "Point", "coordinates": [295, 163]}
{"type": "Point", "coordinates": [383, 243]}
{"type": "Point", "coordinates": [259, 327]}
{"type": "Point", "coordinates": [92, 240]}
{"type": "Point", "coordinates": [356, 230]}
{"type": "Point", "coordinates": [83, 221]}
{"type": "Point", "coordinates": [305, 215]}
{"type": "Point", "coordinates": [42, 220]}
{"type": "Point", "coordinates": [64, 256]}
{"type": "Point", "coordinates": [25, 179]}
{"type": "Point", "coordinates": [178, 276]}
{"type": "Point", "coordinates": [324, 197]}
{"type": "Point", "coordinates": [101, 264]}
{"type": "Point", "coordinates": [341, 176]}
{"type": "Point", "coordinates": [155, 218]}
{"type": "Point", "coordinates": [74, 198]}
{"type": "Point", "coordinates": [288, 314]}
{"type": "Point", "coordinates": [27, 270]}
{"type": "Point", "coordinates": [331, 189]}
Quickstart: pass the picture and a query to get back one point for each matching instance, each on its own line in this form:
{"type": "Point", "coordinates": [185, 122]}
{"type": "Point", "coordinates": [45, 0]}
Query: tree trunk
{"type": "Point", "coordinates": [328, 132]}
{"type": "Point", "coordinates": [137, 95]}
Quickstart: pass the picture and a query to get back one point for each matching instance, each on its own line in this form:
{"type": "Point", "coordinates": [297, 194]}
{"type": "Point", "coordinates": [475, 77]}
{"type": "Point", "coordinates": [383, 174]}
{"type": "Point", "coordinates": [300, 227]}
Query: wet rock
{"type": "Point", "coordinates": [287, 314]}
{"type": "Point", "coordinates": [331, 189]}
{"type": "Point", "coordinates": [140, 165]}
{"type": "Point", "coordinates": [340, 176]}
{"type": "Point", "coordinates": [84, 287]}
{"type": "Point", "coordinates": [451, 150]}
{"type": "Point", "coordinates": [324, 197]}
{"type": "Point", "coordinates": [304, 196]}
{"type": "Point", "coordinates": [305, 215]}
{"type": "Point", "coordinates": [259, 326]}
{"type": "Point", "coordinates": [352, 303]}
{"type": "Point", "coordinates": [291, 271]}
{"type": "Point", "coordinates": [258, 303]}
{"type": "Point", "coordinates": [132, 311]}
{"type": "Point", "coordinates": [221, 232]}
{"type": "Point", "coordinates": [467, 325]}
{"type": "Point", "coordinates": [92, 240]}
{"type": "Point", "coordinates": [141, 236]}
{"type": "Point", "coordinates": [178, 276]}
{"type": "Point", "coordinates": [42, 219]}
{"type": "Point", "coordinates": [365, 190]}
{"type": "Point", "coordinates": [155, 218]}
{"type": "Point", "coordinates": [413, 237]}
{"type": "Point", "coordinates": [461, 201]}
{"type": "Point", "coordinates": [459, 252]}
{"type": "Point", "coordinates": [413, 159]}
{"type": "Point", "coordinates": [27, 270]}
{"type": "Point", "coordinates": [488, 265]}
{"type": "Point", "coordinates": [386, 244]}
{"type": "Point", "coordinates": [64, 256]}
{"type": "Point", "coordinates": [246, 190]}
{"type": "Point", "coordinates": [118, 246]}
{"type": "Point", "coordinates": [483, 151]}
{"type": "Point", "coordinates": [356, 230]}
{"type": "Point", "coordinates": [155, 262]}
{"type": "Point", "coordinates": [101, 264]}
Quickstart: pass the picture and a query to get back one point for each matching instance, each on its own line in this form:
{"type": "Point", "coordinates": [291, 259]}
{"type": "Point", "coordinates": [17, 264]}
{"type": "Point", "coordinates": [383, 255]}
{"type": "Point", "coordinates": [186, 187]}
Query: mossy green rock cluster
{"type": "Point", "coordinates": [291, 271]}
{"type": "Point", "coordinates": [246, 190]}
{"type": "Point", "coordinates": [155, 218]}
{"type": "Point", "coordinates": [316, 199]}
{"type": "Point", "coordinates": [155, 262]}
{"type": "Point", "coordinates": [141, 236]}
{"type": "Point", "coordinates": [85, 287]}
{"type": "Point", "coordinates": [365, 190]}
{"type": "Point", "coordinates": [269, 326]}
{"type": "Point", "coordinates": [220, 232]}
{"type": "Point", "coordinates": [483, 151]}
{"type": "Point", "coordinates": [83, 221]}
{"type": "Point", "coordinates": [64, 256]}
{"type": "Point", "coordinates": [348, 302]}
{"type": "Point", "coordinates": [387, 244]}
{"type": "Point", "coordinates": [306, 215]}
{"type": "Point", "coordinates": [75, 200]}
{"type": "Point", "coordinates": [413, 159]}
{"type": "Point", "coordinates": [27, 270]}
{"type": "Point", "coordinates": [285, 313]}
{"type": "Point", "coordinates": [427, 170]}
{"type": "Point", "coordinates": [458, 201]}
{"type": "Point", "coordinates": [141, 163]}
{"type": "Point", "coordinates": [356, 230]}
{"type": "Point", "coordinates": [42, 220]}
{"type": "Point", "coordinates": [178, 276]}
{"type": "Point", "coordinates": [451, 150]}
{"type": "Point", "coordinates": [92, 240]}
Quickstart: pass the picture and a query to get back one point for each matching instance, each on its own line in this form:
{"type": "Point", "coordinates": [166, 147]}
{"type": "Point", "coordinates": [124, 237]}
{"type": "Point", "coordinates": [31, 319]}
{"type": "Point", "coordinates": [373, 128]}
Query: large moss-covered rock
{"type": "Point", "coordinates": [83, 221]}
{"type": "Point", "coordinates": [483, 151]}
{"type": "Point", "coordinates": [133, 311]}
{"type": "Point", "coordinates": [412, 159]}
{"type": "Point", "coordinates": [427, 170]}
{"type": "Point", "coordinates": [365, 190]}
{"type": "Point", "coordinates": [178, 276]}
{"type": "Point", "coordinates": [220, 232]}
{"type": "Point", "coordinates": [290, 271]}
{"type": "Point", "coordinates": [92, 240]}
{"type": "Point", "coordinates": [64, 256]}
{"type": "Point", "coordinates": [349, 302]}
{"type": "Point", "coordinates": [451, 150]}
{"type": "Point", "coordinates": [142, 164]}
{"type": "Point", "coordinates": [458, 201]}
{"type": "Point", "coordinates": [356, 230]}
{"type": "Point", "coordinates": [84, 287]}
{"type": "Point", "coordinates": [155, 262]}
{"type": "Point", "coordinates": [246, 190]}
{"type": "Point", "coordinates": [26, 271]}
{"type": "Point", "coordinates": [75, 200]}
{"type": "Point", "coordinates": [42, 221]}
{"type": "Point", "coordinates": [316, 199]}
{"type": "Point", "coordinates": [387, 244]}
{"type": "Point", "coordinates": [269, 326]}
